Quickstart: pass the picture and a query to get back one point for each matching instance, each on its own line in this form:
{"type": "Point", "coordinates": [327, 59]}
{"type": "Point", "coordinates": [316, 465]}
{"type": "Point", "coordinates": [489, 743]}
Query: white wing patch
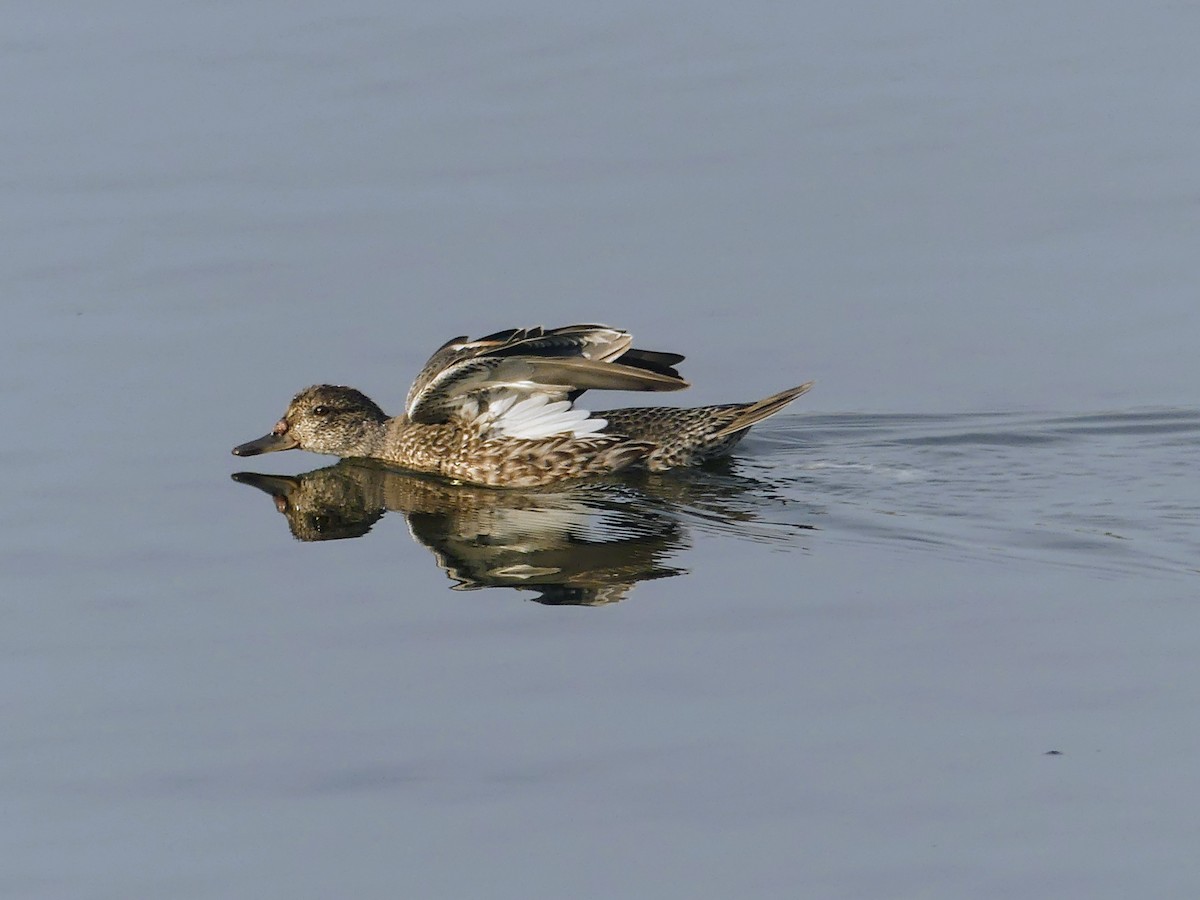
{"type": "Point", "coordinates": [536, 417]}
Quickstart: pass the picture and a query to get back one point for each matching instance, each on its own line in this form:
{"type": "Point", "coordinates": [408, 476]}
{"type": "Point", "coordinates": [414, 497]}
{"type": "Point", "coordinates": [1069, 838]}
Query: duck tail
{"type": "Point", "coordinates": [753, 413]}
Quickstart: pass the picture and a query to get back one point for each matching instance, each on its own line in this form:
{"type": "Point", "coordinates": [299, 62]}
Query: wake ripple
{"type": "Point", "coordinates": [1112, 492]}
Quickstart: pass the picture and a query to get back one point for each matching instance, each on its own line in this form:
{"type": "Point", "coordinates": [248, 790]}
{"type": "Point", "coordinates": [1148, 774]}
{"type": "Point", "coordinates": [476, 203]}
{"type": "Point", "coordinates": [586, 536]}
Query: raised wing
{"type": "Point", "coordinates": [464, 377]}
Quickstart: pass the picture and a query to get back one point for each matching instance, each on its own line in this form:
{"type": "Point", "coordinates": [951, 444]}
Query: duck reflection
{"type": "Point", "coordinates": [584, 545]}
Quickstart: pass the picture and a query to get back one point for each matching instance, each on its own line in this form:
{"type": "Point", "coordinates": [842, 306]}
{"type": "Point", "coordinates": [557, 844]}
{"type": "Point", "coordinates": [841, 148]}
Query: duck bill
{"type": "Point", "coordinates": [281, 487]}
{"type": "Point", "coordinates": [268, 443]}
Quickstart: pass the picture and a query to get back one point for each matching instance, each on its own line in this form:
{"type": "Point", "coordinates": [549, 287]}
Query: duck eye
{"type": "Point", "coordinates": [320, 410]}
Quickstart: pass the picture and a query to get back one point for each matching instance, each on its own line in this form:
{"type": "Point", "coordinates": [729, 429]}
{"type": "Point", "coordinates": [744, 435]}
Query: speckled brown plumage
{"type": "Point", "coordinates": [689, 437]}
{"type": "Point", "coordinates": [499, 411]}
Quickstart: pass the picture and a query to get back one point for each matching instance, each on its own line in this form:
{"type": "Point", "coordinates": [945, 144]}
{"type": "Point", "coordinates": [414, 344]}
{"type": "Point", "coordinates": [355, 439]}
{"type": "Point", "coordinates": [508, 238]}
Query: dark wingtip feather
{"type": "Point", "coordinates": [652, 361]}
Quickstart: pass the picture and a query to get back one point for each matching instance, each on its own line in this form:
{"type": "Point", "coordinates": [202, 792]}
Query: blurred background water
{"type": "Point", "coordinates": [836, 665]}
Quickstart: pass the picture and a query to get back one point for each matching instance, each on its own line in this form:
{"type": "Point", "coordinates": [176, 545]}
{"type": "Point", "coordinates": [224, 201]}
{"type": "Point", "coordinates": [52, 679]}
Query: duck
{"type": "Point", "coordinates": [502, 411]}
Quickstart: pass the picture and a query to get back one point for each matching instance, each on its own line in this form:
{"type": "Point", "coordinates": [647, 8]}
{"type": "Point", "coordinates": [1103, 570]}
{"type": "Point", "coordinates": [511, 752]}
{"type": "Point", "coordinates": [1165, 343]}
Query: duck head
{"type": "Point", "coordinates": [325, 418]}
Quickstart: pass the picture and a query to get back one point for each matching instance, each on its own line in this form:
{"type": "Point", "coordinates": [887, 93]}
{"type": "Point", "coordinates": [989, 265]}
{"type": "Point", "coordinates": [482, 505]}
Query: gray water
{"type": "Point", "coordinates": [931, 633]}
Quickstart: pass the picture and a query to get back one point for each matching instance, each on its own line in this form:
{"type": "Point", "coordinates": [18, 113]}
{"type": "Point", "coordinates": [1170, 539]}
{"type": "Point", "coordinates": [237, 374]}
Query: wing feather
{"type": "Point", "coordinates": [464, 377]}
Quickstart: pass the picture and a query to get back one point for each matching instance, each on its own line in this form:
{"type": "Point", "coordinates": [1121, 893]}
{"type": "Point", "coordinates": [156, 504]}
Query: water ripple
{"type": "Point", "coordinates": [1113, 491]}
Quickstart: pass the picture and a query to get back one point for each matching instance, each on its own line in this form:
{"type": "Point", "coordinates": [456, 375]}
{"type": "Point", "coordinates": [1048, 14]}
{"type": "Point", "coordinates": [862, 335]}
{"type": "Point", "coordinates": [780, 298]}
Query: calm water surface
{"type": "Point", "coordinates": [836, 666]}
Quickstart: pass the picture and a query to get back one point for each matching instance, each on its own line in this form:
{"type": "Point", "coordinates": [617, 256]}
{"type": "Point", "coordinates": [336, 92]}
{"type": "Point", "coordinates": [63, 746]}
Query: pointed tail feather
{"type": "Point", "coordinates": [763, 409]}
